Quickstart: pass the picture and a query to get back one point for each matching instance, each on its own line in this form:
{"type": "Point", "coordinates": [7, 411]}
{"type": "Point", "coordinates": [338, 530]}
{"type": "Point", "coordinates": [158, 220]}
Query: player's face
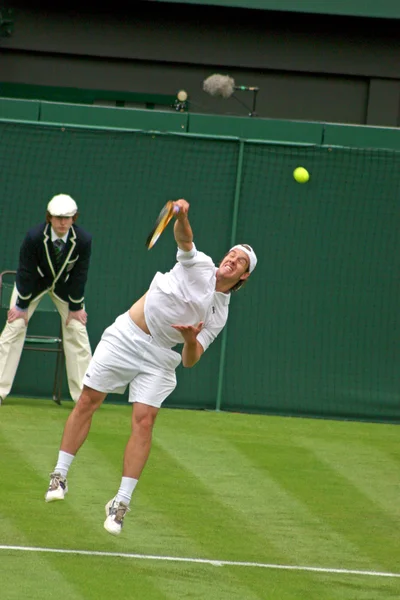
{"type": "Point", "coordinates": [235, 265]}
{"type": "Point", "coordinates": [61, 225]}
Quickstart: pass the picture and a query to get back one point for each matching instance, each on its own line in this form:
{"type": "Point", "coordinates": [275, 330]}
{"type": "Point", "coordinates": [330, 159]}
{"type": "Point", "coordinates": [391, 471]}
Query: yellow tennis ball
{"type": "Point", "coordinates": [301, 175]}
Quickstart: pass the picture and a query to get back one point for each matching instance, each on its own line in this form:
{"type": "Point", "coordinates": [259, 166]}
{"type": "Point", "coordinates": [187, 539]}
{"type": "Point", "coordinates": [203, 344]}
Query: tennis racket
{"type": "Point", "coordinates": [166, 214]}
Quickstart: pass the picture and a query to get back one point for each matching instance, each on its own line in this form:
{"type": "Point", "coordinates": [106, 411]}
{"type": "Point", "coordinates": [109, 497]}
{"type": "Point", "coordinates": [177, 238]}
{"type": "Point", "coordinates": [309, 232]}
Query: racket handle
{"type": "Point", "coordinates": [176, 209]}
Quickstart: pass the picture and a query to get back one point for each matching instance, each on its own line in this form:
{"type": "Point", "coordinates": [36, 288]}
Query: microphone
{"type": "Point", "coordinates": [223, 85]}
{"type": "Point", "coordinates": [219, 85]}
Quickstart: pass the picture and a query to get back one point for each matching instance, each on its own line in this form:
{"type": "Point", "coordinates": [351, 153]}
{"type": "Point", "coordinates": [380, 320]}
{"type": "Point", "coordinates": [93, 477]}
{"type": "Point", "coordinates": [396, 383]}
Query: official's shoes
{"type": "Point", "coordinates": [58, 487]}
{"type": "Point", "coordinates": [115, 513]}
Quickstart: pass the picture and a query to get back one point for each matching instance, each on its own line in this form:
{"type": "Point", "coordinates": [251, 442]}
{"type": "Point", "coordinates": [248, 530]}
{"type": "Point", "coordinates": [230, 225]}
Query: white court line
{"type": "Point", "coordinates": [215, 563]}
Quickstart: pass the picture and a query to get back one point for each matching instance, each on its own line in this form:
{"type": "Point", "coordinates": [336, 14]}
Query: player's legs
{"type": "Point", "coordinates": [76, 348]}
{"type": "Point", "coordinates": [110, 370]}
{"type": "Point", "coordinates": [138, 447]}
{"type": "Point", "coordinates": [136, 454]}
{"type": "Point", "coordinates": [79, 421]}
{"type": "Point", "coordinates": [11, 344]}
{"type": "Point", "coordinates": [148, 391]}
{"type": "Point", "coordinates": [75, 433]}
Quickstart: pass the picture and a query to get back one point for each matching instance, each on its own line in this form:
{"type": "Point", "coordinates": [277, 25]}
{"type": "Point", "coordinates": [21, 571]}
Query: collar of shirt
{"type": "Point", "coordinates": [55, 237]}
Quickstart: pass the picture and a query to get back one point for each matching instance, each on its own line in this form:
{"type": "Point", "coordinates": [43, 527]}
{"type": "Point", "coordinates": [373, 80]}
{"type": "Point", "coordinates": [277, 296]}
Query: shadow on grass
{"type": "Point", "coordinates": [45, 403]}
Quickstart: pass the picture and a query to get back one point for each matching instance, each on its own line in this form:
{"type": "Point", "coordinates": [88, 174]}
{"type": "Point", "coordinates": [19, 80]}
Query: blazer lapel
{"type": "Point", "coordinates": [50, 256]}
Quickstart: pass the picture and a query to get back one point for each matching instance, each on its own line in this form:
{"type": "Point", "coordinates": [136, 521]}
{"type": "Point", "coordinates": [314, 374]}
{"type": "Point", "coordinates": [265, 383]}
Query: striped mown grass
{"type": "Point", "coordinates": [218, 486]}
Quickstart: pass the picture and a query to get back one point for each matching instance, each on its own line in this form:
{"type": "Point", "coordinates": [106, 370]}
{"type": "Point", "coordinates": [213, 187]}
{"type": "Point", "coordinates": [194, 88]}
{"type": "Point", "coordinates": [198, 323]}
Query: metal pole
{"type": "Point", "coordinates": [253, 112]}
{"type": "Point", "coordinates": [236, 202]}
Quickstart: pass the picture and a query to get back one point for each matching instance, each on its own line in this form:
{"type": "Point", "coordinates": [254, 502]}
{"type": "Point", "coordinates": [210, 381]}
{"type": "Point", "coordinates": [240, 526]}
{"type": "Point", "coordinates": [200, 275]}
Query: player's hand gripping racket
{"type": "Point", "coordinates": [166, 214]}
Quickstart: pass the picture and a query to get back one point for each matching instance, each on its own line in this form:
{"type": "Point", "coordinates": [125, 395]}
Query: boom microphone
{"type": "Point", "coordinates": [223, 85]}
{"type": "Point", "coordinates": [219, 85]}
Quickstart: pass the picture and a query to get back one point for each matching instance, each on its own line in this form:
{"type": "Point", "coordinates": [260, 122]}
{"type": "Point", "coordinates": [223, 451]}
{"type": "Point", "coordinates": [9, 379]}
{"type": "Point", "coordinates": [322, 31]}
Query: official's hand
{"type": "Point", "coordinates": [14, 314]}
{"type": "Point", "coordinates": [183, 209]}
{"type": "Point", "coordinates": [189, 332]}
{"type": "Point", "coordinates": [78, 315]}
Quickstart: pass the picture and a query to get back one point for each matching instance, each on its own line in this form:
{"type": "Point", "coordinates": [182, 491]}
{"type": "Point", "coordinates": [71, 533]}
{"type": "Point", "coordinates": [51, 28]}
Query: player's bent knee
{"type": "Point", "coordinates": [90, 399]}
{"type": "Point", "coordinates": [143, 418]}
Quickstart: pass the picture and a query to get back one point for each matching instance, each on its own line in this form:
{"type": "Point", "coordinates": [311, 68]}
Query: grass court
{"type": "Point", "coordinates": [229, 507]}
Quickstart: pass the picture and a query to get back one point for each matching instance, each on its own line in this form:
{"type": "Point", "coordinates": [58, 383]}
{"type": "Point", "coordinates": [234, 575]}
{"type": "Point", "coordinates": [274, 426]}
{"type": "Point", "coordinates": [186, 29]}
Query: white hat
{"type": "Point", "coordinates": [62, 205]}
{"type": "Point", "coordinates": [250, 253]}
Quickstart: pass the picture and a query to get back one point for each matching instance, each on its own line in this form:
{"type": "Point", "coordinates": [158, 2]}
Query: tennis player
{"type": "Point", "coordinates": [188, 305]}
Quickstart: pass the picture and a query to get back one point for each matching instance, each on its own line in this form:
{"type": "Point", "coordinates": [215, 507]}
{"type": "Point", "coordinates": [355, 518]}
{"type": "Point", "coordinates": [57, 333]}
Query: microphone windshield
{"type": "Point", "coordinates": [219, 85]}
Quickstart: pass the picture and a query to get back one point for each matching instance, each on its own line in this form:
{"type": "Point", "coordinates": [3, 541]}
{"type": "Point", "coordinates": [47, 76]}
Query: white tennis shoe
{"type": "Point", "coordinates": [58, 487]}
{"type": "Point", "coordinates": [115, 513]}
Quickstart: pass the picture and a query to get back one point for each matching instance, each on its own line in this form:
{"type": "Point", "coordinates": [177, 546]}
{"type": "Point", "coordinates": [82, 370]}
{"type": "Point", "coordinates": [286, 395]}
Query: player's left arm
{"type": "Point", "coordinates": [192, 349]}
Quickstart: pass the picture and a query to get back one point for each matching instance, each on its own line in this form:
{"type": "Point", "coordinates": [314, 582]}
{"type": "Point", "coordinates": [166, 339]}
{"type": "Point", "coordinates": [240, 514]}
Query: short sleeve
{"type": "Point", "coordinates": [186, 257]}
{"type": "Point", "coordinates": [207, 335]}
{"type": "Point", "coordinates": [215, 320]}
{"type": "Point", "coordinates": [194, 257]}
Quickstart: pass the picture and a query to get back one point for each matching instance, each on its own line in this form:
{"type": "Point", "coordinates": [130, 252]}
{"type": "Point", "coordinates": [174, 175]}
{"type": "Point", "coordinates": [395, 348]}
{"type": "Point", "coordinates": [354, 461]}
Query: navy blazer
{"type": "Point", "coordinates": [37, 271]}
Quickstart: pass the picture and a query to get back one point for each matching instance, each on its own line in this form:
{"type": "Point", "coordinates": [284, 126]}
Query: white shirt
{"type": "Point", "coordinates": [55, 237]}
{"type": "Point", "coordinates": [185, 296]}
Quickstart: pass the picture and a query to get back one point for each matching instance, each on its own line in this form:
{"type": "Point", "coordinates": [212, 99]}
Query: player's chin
{"type": "Point", "coordinates": [233, 275]}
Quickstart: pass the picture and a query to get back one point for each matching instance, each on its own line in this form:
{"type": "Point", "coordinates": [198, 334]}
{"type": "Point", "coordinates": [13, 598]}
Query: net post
{"type": "Point", "coordinates": [236, 201]}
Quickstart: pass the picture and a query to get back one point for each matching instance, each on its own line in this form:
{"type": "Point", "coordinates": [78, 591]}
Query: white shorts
{"type": "Point", "coordinates": [126, 355]}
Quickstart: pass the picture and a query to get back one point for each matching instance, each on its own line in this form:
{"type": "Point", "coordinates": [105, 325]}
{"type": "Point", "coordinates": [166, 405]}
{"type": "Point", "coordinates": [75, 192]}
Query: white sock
{"type": "Point", "coordinates": [126, 488]}
{"type": "Point", "coordinates": [63, 463]}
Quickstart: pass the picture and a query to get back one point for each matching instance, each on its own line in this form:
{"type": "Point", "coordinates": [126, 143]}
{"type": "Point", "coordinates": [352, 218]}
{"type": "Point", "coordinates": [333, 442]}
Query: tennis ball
{"type": "Point", "coordinates": [301, 175]}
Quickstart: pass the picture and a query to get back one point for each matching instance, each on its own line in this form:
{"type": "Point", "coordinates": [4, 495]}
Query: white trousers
{"type": "Point", "coordinates": [75, 342]}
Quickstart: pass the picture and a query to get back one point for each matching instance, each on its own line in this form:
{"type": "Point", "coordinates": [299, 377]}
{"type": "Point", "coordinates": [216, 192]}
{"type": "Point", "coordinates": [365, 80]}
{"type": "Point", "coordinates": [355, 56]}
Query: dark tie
{"type": "Point", "coordinates": [58, 249]}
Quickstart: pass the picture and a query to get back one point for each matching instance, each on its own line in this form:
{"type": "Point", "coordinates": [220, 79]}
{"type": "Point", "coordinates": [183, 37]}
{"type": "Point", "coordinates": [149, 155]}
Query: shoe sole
{"type": "Point", "coordinates": [109, 523]}
{"type": "Point", "coordinates": [54, 497]}
{"type": "Point", "coordinates": [108, 528]}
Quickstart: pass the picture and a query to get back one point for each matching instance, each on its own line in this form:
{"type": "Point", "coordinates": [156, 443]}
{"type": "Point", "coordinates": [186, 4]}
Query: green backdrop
{"type": "Point", "coordinates": [315, 330]}
{"type": "Point", "coordinates": [318, 331]}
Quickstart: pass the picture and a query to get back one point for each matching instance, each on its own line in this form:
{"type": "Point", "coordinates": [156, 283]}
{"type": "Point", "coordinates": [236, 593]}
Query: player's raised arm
{"type": "Point", "coordinates": [182, 229]}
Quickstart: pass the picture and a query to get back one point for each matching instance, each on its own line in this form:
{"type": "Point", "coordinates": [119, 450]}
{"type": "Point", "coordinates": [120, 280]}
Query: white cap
{"type": "Point", "coordinates": [62, 205]}
{"type": "Point", "coordinates": [250, 253]}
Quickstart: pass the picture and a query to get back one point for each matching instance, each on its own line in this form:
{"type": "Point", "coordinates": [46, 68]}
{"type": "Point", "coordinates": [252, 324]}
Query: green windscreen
{"type": "Point", "coordinates": [314, 331]}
